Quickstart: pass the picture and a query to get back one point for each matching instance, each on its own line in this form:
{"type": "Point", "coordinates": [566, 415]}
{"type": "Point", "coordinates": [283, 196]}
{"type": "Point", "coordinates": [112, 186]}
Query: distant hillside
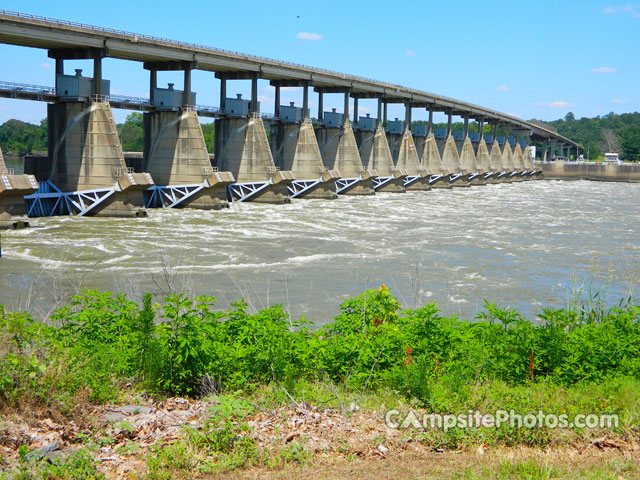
{"type": "Point", "coordinates": [610, 133]}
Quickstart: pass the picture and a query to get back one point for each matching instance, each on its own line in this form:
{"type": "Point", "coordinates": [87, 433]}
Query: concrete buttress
{"type": "Point", "coordinates": [296, 149]}
{"type": "Point", "coordinates": [376, 156]}
{"type": "Point", "coordinates": [507, 161]}
{"type": "Point", "coordinates": [431, 163]}
{"type": "Point", "coordinates": [409, 162]}
{"type": "Point", "coordinates": [451, 163]}
{"type": "Point", "coordinates": [176, 154]}
{"type": "Point", "coordinates": [85, 154]}
{"type": "Point", "coordinates": [340, 152]}
{"type": "Point", "coordinates": [483, 161]}
{"type": "Point", "coordinates": [518, 161]}
{"type": "Point", "coordinates": [242, 148]}
{"type": "Point", "coordinates": [495, 162]}
{"type": "Point", "coordinates": [468, 162]}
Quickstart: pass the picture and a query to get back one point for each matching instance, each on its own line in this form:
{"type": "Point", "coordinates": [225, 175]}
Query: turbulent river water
{"type": "Point", "coordinates": [526, 245]}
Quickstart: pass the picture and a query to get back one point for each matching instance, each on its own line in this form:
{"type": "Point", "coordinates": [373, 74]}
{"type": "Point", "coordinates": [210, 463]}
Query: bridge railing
{"type": "Point", "coordinates": [23, 87]}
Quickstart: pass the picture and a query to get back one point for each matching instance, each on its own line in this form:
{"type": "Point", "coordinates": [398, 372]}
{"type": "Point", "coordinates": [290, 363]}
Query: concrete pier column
{"type": "Point", "coordinates": [449, 115]}
{"type": "Point", "coordinates": [346, 107]}
{"type": "Point", "coordinates": [466, 125]}
{"type": "Point", "coordinates": [320, 105]}
{"type": "Point", "coordinates": [59, 66]}
{"type": "Point", "coordinates": [305, 101]}
{"type": "Point", "coordinates": [495, 160]}
{"type": "Point", "coordinates": [276, 110]}
{"type": "Point", "coordinates": [483, 161]}
{"type": "Point", "coordinates": [518, 161]}
{"type": "Point", "coordinates": [97, 74]}
{"type": "Point", "coordinates": [431, 163]}
{"type": "Point", "coordinates": [223, 95]}
{"type": "Point", "coordinates": [468, 162]}
{"type": "Point", "coordinates": [355, 110]}
{"type": "Point", "coordinates": [430, 125]}
{"type": "Point", "coordinates": [186, 94]}
{"type": "Point", "coordinates": [254, 94]}
{"type": "Point", "coordinates": [379, 110]}
{"type": "Point", "coordinates": [407, 115]}
{"type": "Point", "coordinates": [175, 154]}
{"type": "Point", "coordinates": [552, 151]}
{"type": "Point", "coordinates": [384, 120]}
{"type": "Point", "coordinates": [153, 84]}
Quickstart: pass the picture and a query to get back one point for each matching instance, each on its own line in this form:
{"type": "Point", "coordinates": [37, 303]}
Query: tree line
{"type": "Point", "coordinates": [608, 133]}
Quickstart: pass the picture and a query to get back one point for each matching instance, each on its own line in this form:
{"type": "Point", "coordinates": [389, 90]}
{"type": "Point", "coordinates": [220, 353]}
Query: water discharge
{"type": "Point", "coordinates": [524, 245]}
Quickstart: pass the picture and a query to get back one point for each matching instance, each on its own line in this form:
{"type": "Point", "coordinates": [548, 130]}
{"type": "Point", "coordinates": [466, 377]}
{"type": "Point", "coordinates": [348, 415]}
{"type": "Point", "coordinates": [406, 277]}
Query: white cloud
{"type": "Point", "coordinates": [265, 99]}
{"type": "Point", "coordinates": [604, 70]}
{"type": "Point", "coordinates": [410, 53]}
{"type": "Point", "coordinates": [45, 66]}
{"type": "Point", "coordinates": [629, 9]}
{"type": "Point", "coordinates": [309, 36]}
{"type": "Point", "coordinates": [558, 104]}
{"type": "Point", "coordinates": [503, 88]}
{"type": "Point", "coordinates": [619, 101]}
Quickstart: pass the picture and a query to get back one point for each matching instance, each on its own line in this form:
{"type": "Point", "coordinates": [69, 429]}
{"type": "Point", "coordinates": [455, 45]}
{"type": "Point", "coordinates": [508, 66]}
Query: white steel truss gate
{"type": "Point", "coordinates": [50, 201]}
{"type": "Point", "coordinates": [244, 192]}
{"type": "Point", "coordinates": [170, 196]}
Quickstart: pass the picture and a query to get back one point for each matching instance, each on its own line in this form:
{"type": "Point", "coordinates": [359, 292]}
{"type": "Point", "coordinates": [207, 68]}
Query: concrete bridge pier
{"type": "Point", "coordinates": [483, 163]}
{"type": "Point", "coordinates": [295, 148]}
{"type": "Point", "coordinates": [451, 165]}
{"type": "Point", "coordinates": [376, 156]}
{"type": "Point", "coordinates": [431, 164]}
{"type": "Point", "coordinates": [242, 148]}
{"type": "Point", "coordinates": [339, 150]}
{"type": "Point", "coordinates": [507, 160]}
{"type": "Point", "coordinates": [536, 172]}
{"type": "Point", "coordinates": [176, 156]}
{"type": "Point", "coordinates": [495, 159]}
{"type": "Point", "coordinates": [518, 162]}
{"type": "Point", "coordinates": [88, 175]}
{"type": "Point", "coordinates": [13, 188]}
{"type": "Point", "coordinates": [175, 153]}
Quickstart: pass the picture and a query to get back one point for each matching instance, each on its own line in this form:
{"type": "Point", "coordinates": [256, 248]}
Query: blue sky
{"type": "Point", "coordinates": [531, 59]}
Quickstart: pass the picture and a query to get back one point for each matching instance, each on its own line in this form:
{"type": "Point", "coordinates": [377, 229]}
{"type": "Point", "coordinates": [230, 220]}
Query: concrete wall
{"type": "Point", "coordinates": [175, 152]}
{"type": "Point", "coordinates": [84, 147]}
{"type": "Point", "coordinates": [591, 171]}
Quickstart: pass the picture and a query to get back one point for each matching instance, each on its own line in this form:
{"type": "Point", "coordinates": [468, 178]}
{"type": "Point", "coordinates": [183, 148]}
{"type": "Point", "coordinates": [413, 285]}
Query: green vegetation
{"type": "Point", "coordinates": [609, 133]}
{"type": "Point", "coordinates": [101, 340]}
{"type": "Point", "coordinates": [21, 138]}
{"type": "Point", "coordinates": [581, 359]}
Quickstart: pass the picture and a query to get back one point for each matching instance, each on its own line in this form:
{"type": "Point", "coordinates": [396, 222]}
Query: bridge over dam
{"type": "Point", "coordinates": [260, 157]}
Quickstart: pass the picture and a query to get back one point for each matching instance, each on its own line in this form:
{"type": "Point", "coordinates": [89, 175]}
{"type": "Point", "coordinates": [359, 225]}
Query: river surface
{"type": "Point", "coordinates": [526, 246]}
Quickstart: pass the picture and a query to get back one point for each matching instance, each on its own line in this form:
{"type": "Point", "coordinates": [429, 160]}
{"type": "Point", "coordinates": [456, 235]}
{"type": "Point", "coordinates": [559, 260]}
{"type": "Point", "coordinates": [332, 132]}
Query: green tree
{"type": "Point", "coordinates": [630, 142]}
{"type": "Point", "coordinates": [131, 133]}
{"type": "Point", "coordinates": [208, 130]}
